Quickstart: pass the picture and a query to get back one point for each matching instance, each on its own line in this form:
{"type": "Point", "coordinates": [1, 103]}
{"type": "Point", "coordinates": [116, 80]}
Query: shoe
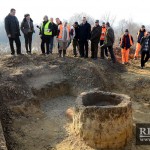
{"type": "Point", "coordinates": [123, 63]}
{"type": "Point", "coordinates": [142, 67]}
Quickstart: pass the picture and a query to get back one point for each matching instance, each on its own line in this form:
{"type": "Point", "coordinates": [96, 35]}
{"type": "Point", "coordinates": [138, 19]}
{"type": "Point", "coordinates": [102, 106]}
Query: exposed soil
{"type": "Point", "coordinates": [37, 90]}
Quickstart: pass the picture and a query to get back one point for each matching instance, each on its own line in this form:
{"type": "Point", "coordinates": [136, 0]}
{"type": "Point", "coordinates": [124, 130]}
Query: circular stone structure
{"type": "Point", "coordinates": [103, 119]}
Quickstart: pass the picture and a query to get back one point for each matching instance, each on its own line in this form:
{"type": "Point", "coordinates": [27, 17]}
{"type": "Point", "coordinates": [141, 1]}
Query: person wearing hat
{"type": "Point", "coordinates": [95, 34]}
{"type": "Point", "coordinates": [145, 49]}
{"type": "Point", "coordinates": [108, 42]}
{"type": "Point", "coordinates": [102, 38]}
{"type": "Point", "coordinates": [74, 33]}
{"type": "Point", "coordinates": [27, 29]}
{"type": "Point", "coordinates": [140, 34]}
{"type": "Point", "coordinates": [126, 41]}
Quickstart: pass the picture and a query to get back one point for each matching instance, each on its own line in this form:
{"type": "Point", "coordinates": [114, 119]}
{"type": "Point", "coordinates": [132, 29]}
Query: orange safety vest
{"type": "Point", "coordinates": [103, 34]}
{"type": "Point", "coordinates": [61, 31]}
{"type": "Point", "coordinates": [131, 43]}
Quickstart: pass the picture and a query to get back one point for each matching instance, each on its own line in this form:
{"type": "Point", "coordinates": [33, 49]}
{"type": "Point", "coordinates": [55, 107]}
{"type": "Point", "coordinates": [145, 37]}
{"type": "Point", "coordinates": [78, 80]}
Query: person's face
{"type": "Point", "coordinates": [57, 20]}
{"type": "Point", "coordinates": [106, 26]}
{"type": "Point", "coordinates": [103, 25]}
{"type": "Point", "coordinates": [51, 19]}
{"type": "Point", "coordinates": [148, 34]}
{"type": "Point", "coordinates": [84, 20]}
{"type": "Point", "coordinates": [75, 25]}
{"type": "Point", "coordinates": [28, 17]}
{"type": "Point", "coordinates": [13, 13]}
{"type": "Point", "coordinates": [126, 33]}
{"type": "Point", "coordinates": [96, 24]}
{"type": "Point", "coordinates": [142, 29]}
{"type": "Point", "coordinates": [45, 18]}
{"type": "Point", "coordinates": [65, 24]}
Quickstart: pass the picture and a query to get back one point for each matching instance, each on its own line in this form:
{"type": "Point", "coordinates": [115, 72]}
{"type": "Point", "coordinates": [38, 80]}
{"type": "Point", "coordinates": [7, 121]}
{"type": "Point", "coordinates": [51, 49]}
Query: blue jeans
{"type": "Point", "coordinates": [51, 44]}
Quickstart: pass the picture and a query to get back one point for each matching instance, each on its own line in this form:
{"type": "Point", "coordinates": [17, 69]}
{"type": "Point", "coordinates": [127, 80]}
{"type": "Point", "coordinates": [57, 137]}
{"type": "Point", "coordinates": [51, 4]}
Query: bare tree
{"type": "Point", "coordinates": [78, 17]}
{"type": "Point", "coordinates": [107, 17]}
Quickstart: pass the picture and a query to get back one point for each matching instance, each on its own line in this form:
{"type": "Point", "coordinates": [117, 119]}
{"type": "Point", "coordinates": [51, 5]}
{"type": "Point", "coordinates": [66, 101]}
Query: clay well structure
{"type": "Point", "coordinates": [103, 119]}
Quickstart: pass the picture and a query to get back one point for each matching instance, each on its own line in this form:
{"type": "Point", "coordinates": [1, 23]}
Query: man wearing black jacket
{"type": "Point", "coordinates": [13, 31]}
{"type": "Point", "coordinates": [145, 49]}
{"type": "Point", "coordinates": [84, 36]}
{"type": "Point", "coordinates": [54, 33]}
{"type": "Point", "coordinates": [95, 35]}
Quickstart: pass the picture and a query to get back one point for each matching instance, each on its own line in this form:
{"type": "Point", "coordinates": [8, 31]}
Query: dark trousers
{"type": "Point", "coordinates": [51, 44]}
{"type": "Point", "coordinates": [83, 48]}
{"type": "Point", "coordinates": [110, 48]}
{"type": "Point", "coordinates": [45, 40]}
{"type": "Point", "coordinates": [94, 49]}
{"type": "Point", "coordinates": [75, 46]}
{"type": "Point", "coordinates": [144, 57]}
{"type": "Point", "coordinates": [18, 45]}
{"type": "Point", "coordinates": [105, 50]}
{"type": "Point", "coordinates": [28, 42]}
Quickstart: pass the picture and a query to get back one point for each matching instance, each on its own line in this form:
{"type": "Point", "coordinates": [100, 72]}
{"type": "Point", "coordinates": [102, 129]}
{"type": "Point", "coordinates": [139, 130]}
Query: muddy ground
{"type": "Point", "coordinates": [36, 91]}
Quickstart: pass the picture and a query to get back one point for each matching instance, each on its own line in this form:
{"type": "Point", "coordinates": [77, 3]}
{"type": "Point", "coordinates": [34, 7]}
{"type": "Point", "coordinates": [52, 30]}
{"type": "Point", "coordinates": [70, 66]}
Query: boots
{"type": "Point", "coordinates": [64, 52]}
{"type": "Point", "coordinates": [60, 52]}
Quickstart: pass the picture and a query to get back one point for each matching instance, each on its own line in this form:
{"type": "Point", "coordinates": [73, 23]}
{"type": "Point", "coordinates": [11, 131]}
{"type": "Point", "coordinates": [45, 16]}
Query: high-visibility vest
{"type": "Point", "coordinates": [46, 29]}
{"type": "Point", "coordinates": [61, 31]}
{"type": "Point", "coordinates": [131, 43]}
{"type": "Point", "coordinates": [103, 34]}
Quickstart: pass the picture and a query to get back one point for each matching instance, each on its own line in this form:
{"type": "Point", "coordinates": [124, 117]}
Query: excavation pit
{"type": "Point", "coordinates": [103, 119]}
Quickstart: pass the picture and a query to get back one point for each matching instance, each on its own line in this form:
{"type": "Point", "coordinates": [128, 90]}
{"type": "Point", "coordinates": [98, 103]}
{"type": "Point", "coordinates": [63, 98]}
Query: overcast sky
{"type": "Point", "coordinates": [138, 10]}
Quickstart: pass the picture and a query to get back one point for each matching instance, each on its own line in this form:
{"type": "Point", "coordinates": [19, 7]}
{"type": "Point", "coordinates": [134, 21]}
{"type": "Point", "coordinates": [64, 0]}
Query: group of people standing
{"type": "Point", "coordinates": [79, 35]}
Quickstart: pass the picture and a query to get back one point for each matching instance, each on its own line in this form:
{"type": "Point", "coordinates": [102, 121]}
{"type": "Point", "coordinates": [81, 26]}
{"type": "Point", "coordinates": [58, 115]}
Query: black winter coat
{"type": "Point", "coordinates": [12, 26]}
{"type": "Point", "coordinates": [54, 29]}
{"type": "Point", "coordinates": [84, 32]}
{"type": "Point", "coordinates": [143, 43]}
{"type": "Point", "coordinates": [25, 26]}
{"type": "Point", "coordinates": [95, 34]}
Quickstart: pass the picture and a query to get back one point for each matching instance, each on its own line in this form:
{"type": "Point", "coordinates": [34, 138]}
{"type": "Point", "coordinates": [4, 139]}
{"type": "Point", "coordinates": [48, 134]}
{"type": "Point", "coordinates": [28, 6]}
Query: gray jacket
{"type": "Point", "coordinates": [110, 37]}
{"type": "Point", "coordinates": [25, 26]}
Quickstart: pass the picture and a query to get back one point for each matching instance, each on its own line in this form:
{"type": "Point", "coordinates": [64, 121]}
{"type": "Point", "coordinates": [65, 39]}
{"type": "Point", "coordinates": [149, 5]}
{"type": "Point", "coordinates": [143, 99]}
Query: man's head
{"type": "Point", "coordinates": [107, 25]}
{"type": "Point", "coordinates": [65, 23]}
{"type": "Point", "coordinates": [84, 20]}
{"type": "Point", "coordinates": [45, 18]}
{"type": "Point", "coordinates": [148, 34]}
{"type": "Point", "coordinates": [12, 12]}
{"type": "Point", "coordinates": [75, 24]}
{"type": "Point", "coordinates": [103, 24]}
{"type": "Point", "coordinates": [57, 20]}
{"type": "Point", "coordinates": [96, 23]}
{"type": "Point", "coordinates": [142, 28]}
{"type": "Point", "coordinates": [51, 20]}
{"type": "Point", "coordinates": [126, 32]}
{"type": "Point", "coordinates": [27, 16]}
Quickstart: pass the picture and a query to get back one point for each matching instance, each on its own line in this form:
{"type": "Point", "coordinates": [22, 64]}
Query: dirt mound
{"type": "Point", "coordinates": [37, 90]}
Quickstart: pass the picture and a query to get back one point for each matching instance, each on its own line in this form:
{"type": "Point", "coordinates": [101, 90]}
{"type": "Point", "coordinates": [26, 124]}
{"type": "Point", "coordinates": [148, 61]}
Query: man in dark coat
{"type": "Point", "coordinates": [108, 43]}
{"type": "Point", "coordinates": [95, 35]}
{"type": "Point", "coordinates": [54, 33]}
{"type": "Point", "coordinates": [145, 49]}
{"type": "Point", "coordinates": [27, 29]}
{"type": "Point", "coordinates": [13, 31]}
{"type": "Point", "coordinates": [84, 36]}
